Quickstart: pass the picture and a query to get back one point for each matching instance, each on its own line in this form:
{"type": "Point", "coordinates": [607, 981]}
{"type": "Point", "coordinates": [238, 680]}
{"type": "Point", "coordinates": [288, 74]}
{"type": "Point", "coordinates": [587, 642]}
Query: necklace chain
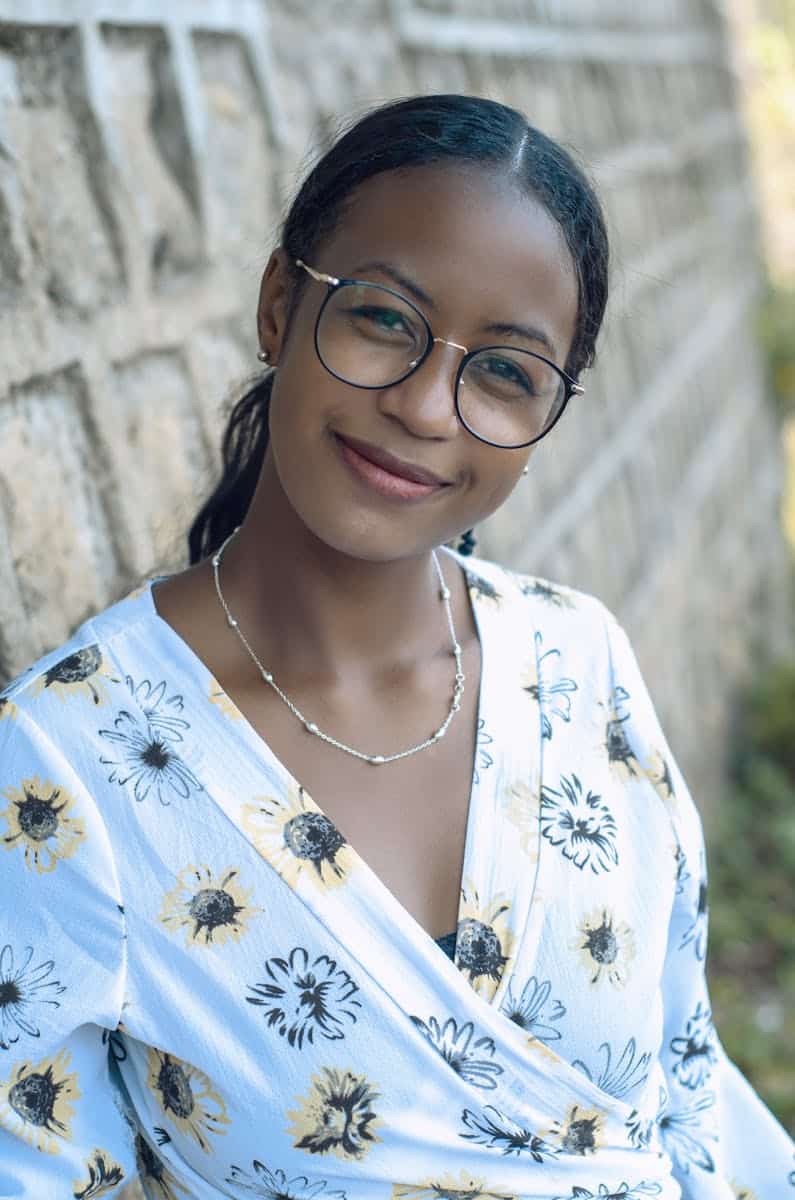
{"type": "Point", "coordinates": [310, 726]}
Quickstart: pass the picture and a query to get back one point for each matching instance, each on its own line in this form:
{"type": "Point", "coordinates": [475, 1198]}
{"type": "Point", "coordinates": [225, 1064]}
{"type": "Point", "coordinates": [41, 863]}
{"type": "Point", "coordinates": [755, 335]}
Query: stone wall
{"type": "Point", "coordinates": [146, 150]}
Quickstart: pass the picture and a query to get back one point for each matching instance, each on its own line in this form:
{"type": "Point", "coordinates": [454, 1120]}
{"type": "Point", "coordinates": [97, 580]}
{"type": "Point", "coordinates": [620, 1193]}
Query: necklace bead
{"type": "Point", "coordinates": [310, 726]}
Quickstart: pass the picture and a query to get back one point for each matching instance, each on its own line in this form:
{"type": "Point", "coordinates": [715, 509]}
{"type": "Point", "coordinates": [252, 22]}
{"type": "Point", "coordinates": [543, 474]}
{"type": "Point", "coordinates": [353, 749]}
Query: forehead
{"type": "Point", "coordinates": [482, 250]}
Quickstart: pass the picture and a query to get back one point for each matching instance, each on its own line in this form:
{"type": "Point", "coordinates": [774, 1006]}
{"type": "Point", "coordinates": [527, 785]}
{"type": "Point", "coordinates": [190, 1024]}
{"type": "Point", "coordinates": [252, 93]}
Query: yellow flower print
{"type": "Point", "coordinates": [741, 1192]}
{"type": "Point", "coordinates": [484, 941]}
{"type": "Point", "coordinates": [186, 1097]}
{"type": "Point", "coordinates": [337, 1116]}
{"type": "Point", "coordinates": [581, 1132]}
{"type": "Point", "coordinates": [481, 589]}
{"type": "Point", "coordinates": [605, 947]}
{"type": "Point", "coordinates": [465, 1187]}
{"type": "Point", "coordinates": [8, 710]}
{"type": "Point", "coordinates": [658, 772]}
{"type": "Point", "coordinates": [532, 585]}
{"type": "Point", "coordinates": [521, 807]}
{"type": "Point", "coordinates": [535, 1045]}
{"type": "Point", "coordinates": [218, 696]}
{"type": "Point", "coordinates": [298, 839]}
{"type": "Point", "coordinates": [84, 672]}
{"type": "Point", "coordinates": [38, 821]}
{"type": "Point", "coordinates": [620, 753]}
{"type": "Point", "coordinates": [152, 1171]}
{"type": "Point", "coordinates": [210, 909]}
{"type": "Point", "coordinates": [103, 1175]}
{"type": "Point", "coordinates": [37, 1102]}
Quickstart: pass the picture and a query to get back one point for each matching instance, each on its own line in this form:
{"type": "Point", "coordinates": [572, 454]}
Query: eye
{"type": "Point", "coordinates": [499, 373]}
{"type": "Point", "coordinates": [387, 320]}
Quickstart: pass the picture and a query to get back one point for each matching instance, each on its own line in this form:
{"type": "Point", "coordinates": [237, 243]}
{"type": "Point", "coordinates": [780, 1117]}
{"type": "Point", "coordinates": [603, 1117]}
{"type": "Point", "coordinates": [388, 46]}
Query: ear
{"type": "Point", "coordinates": [272, 309]}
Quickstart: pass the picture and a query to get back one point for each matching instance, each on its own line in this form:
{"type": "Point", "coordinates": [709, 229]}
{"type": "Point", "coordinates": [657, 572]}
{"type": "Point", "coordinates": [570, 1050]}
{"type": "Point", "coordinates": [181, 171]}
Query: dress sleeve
{"type": "Point", "coordinates": [724, 1143]}
{"type": "Point", "coordinates": [62, 961]}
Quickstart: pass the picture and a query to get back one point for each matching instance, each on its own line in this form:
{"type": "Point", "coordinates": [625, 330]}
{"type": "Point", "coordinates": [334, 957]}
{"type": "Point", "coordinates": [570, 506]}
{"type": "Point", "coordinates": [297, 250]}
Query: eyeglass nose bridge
{"type": "Point", "coordinates": [447, 342]}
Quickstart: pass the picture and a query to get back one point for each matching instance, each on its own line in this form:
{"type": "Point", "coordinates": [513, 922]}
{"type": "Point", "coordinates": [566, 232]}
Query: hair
{"type": "Point", "coordinates": [418, 131]}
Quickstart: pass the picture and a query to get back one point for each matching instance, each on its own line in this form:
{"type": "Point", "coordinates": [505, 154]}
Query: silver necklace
{"type": "Point", "coordinates": [310, 726]}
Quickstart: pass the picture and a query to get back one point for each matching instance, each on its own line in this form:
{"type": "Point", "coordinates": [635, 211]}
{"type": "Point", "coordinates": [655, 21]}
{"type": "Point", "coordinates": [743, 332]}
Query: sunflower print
{"type": "Point", "coordinates": [301, 999]}
{"type": "Point", "coordinates": [481, 589]}
{"type": "Point", "coordinates": [299, 840]}
{"type": "Point", "coordinates": [274, 1185]}
{"type": "Point", "coordinates": [159, 1182]}
{"type": "Point", "coordinates": [620, 754]}
{"type": "Point", "coordinates": [581, 824]}
{"type": "Point", "coordinates": [337, 1116]}
{"type": "Point", "coordinates": [548, 687]}
{"type": "Point", "coordinates": [82, 673]}
{"type": "Point", "coordinates": [605, 947]}
{"type": "Point", "coordinates": [222, 701]}
{"type": "Point", "coordinates": [484, 940]}
{"type": "Point", "coordinates": [521, 806]}
{"type": "Point", "coordinates": [530, 585]}
{"type": "Point", "coordinates": [446, 1187]}
{"type": "Point", "coordinates": [210, 909]}
{"type": "Point", "coordinates": [659, 775]}
{"type": "Point", "coordinates": [742, 1193]}
{"type": "Point", "coordinates": [22, 989]}
{"type": "Point", "coordinates": [103, 1175]}
{"type": "Point", "coordinates": [186, 1098]}
{"type": "Point", "coordinates": [37, 1102]}
{"type": "Point", "coordinates": [499, 1132]}
{"type": "Point", "coordinates": [8, 710]}
{"type": "Point", "coordinates": [581, 1131]}
{"type": "Point", "coordinates": [38, 822]}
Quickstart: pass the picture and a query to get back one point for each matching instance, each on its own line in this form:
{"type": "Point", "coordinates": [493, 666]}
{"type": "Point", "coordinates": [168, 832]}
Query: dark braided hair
{"type": "Point", "coordinates": [408, 133]}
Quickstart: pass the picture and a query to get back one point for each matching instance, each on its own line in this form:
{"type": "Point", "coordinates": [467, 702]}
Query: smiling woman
{"type": "Point", "coordinates": [354, 868]}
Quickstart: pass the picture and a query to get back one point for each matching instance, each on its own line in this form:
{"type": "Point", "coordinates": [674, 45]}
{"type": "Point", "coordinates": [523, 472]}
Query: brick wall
{"type": "Point", "coordinates": [146, 150]}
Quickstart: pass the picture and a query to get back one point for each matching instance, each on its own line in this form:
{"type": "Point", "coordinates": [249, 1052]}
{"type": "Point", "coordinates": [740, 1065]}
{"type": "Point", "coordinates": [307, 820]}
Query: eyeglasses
{"type": "Point", "coordinates": [371, 336]}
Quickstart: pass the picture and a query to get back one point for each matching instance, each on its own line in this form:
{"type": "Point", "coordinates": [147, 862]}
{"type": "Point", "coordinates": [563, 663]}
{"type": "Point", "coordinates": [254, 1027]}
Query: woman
{"type": "Point", "coordinates": [247, 806]}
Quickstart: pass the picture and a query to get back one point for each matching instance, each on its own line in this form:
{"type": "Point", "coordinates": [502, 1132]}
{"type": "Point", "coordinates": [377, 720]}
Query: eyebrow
{"type": "Point", "coordinates": [498, 328]}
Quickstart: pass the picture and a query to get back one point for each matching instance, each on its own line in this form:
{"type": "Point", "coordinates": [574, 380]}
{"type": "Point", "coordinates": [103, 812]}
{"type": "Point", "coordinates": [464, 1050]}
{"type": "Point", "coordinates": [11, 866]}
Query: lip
{"type": "Point", "coordinates": [386, 474]}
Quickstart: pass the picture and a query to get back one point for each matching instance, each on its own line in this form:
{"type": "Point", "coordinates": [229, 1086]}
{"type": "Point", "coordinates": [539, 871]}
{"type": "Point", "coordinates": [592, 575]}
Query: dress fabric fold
{"type": "Point", "coordinates": [206, 992]}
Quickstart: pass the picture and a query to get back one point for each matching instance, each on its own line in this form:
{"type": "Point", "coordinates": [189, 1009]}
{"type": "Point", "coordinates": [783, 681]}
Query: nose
{"type": "Point", "coordinates": [424, 402]}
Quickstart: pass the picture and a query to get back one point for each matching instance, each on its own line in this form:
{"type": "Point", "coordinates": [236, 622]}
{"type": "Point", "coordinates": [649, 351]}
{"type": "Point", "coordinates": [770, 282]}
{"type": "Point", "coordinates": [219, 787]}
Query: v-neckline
{"type": "Point", "coordinates": [291, 785]}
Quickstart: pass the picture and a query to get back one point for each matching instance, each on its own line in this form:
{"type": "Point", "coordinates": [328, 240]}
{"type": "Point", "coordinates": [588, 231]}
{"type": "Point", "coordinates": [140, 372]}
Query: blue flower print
{"type": "Point", "coordinates": [530, 1011]}
{"type": "Point", "coordinates": [22, 989]}
{"type": "Point", "coordinates": [688, 1149]}
{"type": "Point", "coordinates": [493, 1129]}
{"type": "Point", "coordinates": [551, 689]}
{"type": "Point", "coordinates": [146, 756]}
{"type": "Point", "coordinates": [607, 1192]}
{"type": "Point", "coordinates": [623, 1076]}
{"type": "Point", "coordinates": [696, 1049]}
{"type": "Point", "coordinates": [483, 759]}
{"type": "Point", "coordinates": [696, 933]}
{"type": "Point", "coordinates": [581, 824]}
{"type": "Point", "coordinates": [274, 1185]}
{"type": "Point", "coordinates": [469, 1056]}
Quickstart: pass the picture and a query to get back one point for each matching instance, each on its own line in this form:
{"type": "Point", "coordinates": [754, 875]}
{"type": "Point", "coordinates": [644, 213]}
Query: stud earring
{"type": "Point", "coordinates": [525, 470]}
{"type": "Point", "coordinates": [264, 356]}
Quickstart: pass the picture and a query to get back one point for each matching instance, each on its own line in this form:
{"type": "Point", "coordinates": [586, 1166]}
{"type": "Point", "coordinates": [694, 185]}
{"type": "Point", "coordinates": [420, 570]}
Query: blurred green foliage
{"type": "Point", "coordinates": [776, 325]}
{"type": "Point", "coordinates": [752, 894]}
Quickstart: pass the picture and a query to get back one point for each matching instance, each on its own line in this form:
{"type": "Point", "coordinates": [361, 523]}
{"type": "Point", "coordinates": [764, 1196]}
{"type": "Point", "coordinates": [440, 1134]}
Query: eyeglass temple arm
{"type": "Point", "coordinates": [318, 275]}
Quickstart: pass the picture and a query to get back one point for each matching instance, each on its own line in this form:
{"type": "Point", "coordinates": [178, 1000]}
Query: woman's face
{"type": "Point", "coordinates": [483, 255]}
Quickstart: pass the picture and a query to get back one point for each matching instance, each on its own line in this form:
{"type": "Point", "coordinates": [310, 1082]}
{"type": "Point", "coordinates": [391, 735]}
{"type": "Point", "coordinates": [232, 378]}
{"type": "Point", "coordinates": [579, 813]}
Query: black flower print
{"type": "Point", "coordinates": [481, 589]}
{"type": "Point", "coordinates": [158, 1181]}
{"type": "Point", "coordinates": [298, 839]}
{"type": "Point", "coordinates": [624, 1191]}
{"type": "Point", "coordinates": [685, 1148]}
{"type": "Point", "coordinates": [640, 1130]}
{"type": "Point", "coordinates": [112, 1038]}
{"type": "Point", "coordinates": [210, 909]}
{"type": "Point", "coordinates": [696, 933]}
{"type": "Point", "coordinates": [274, 1185]}
{"type": "Point", "coordinates": [337, 1116]}
{"type": "Point", "coordinates": [551, 689]}
{"type": "Point", "coordinates": [696, 1049]}
{"type": "Point", "coordinates": [483, 941]}
{"type": "Point", "coordinates": [580, 823]}
{"type": "Point", "coordinates": [470, 1057]}
{"type": "Point", "coordinates": [743, 1193]}
{"type": "Point", "coordinates": [84, 672]}
{"type": "Point", "coordinates": [605, 947]}
{"type": "Point", "coordinates": [446, 1187]}
{"type": "Point", "coordinates": [186, 1097]}
{"type": "Point", "coordinates": [533, 1010]}
{"type": "Point", "coordinates": [103, 1175]}
{"type": "Point", "coordinates": [8, 710]}
{"type": "Point", "coordinates": [39, 821]}
{"type": "Point", "coordinates": [619, 752]}
{"type": "Point", "coordinates": [531, 586]}
{"type": "Point", "coordinates": [146, 756]}
{"type": "Point", "coordinates": [37, 1102]}
{"type": "Point", "coordinates": [22, 989]}
{"type": "Point", "coordinates": [622, 1076]}
{"type": "Point", "coordinates": [659, 775]}
{"type": "Point", "coordinates": [581, 1132]}
{"type": "Point", "coordinates": [493, 1129]}
{"type": "Point", "coordinates": [302, 998]}
{"type": "Point", "coordinates": [483, 759]}
{"type": "Point", "coordinates": [682, 873]}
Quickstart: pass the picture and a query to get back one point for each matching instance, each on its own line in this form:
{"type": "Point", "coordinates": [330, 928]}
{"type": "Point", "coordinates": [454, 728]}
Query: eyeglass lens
{"type": "Point", "coordinates": [370, 337]}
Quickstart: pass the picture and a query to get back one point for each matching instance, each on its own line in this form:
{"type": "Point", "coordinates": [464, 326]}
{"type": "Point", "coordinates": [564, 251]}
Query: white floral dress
{"type": "Point", "coordinates": [205, 992]}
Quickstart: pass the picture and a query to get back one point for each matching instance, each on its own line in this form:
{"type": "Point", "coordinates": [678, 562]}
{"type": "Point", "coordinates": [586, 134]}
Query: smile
{"type": "Point", "coordinates": [384, 473]}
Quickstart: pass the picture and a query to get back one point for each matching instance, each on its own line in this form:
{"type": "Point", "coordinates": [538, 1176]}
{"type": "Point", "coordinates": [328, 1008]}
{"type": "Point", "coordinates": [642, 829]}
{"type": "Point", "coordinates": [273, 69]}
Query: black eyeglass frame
{"type": "Point", "coordinates": [570, 385]}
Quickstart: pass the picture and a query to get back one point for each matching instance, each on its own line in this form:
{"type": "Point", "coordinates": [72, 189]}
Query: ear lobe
{"type": "Point", "coordinates": [273, 303]}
